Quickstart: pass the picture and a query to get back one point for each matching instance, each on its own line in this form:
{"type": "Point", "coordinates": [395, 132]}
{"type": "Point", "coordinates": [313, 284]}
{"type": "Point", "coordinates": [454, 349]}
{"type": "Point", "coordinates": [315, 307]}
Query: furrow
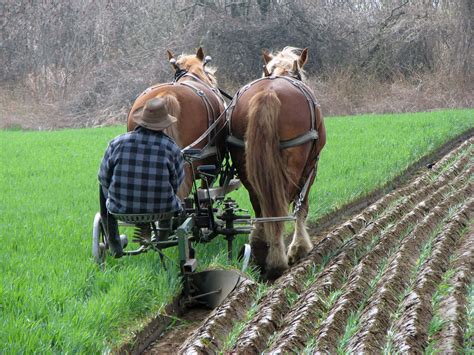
{"type": "Point", "coordinates": [453, 307]}
{"type": "Point", "coordinates": [333, 327]}
{"type": "Point", "coordinates": [423, 181]}
{"type": "Point", "coordinates": [375, 319]}
{"type": "Point", "coordinates": [411, 329]}
{"type": "Point", "coordinates": [464, 148]}
{"type": "Point", "coordinates": [209, 337]}
{"type": "Point", "coordinates": [274, 306]}
{"type": "Point", "coordinates": [299, 325]}
{"type": "Point", "coordinates": [312, 305]}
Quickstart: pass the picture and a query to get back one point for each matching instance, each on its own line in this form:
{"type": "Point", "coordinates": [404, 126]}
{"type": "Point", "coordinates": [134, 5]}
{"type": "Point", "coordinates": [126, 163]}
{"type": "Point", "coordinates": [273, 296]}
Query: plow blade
{"type": "Point", "coordinates": [211, 287]}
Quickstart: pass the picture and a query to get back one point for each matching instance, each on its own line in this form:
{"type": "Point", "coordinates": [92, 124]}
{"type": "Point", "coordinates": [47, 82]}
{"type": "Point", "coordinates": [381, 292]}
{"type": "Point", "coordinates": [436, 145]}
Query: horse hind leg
{"type": "Point", "coordinates": [301, 244]}
{"type": "Point", "coordinates": [259, 247]}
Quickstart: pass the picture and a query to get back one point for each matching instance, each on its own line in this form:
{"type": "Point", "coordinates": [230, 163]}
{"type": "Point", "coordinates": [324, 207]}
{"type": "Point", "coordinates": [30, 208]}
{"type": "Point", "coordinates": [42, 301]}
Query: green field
{"type": "Point", "coordinates": [53, 298]}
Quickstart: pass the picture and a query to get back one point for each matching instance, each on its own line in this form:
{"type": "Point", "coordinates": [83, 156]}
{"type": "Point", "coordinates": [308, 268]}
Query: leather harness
{"type": "Point", "coordinates": [210, 149]}
{"type": "Point", "coordinates": [311, 135]}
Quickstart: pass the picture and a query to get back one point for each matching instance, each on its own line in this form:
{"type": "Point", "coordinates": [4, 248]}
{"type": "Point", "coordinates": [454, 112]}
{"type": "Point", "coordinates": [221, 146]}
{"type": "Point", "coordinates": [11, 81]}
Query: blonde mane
{"type": "Point", "coordinates": [282, 62]}
{"type": "Point", "coordinates": [193, 65]}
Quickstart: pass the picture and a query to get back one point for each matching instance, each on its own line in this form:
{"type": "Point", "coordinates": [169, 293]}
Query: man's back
{"type": "Point", "coordinates": [141, 172]}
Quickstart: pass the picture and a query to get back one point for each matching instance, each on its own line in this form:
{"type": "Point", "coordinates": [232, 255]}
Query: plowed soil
{"type": "Point", "coordinates": [393, 278]}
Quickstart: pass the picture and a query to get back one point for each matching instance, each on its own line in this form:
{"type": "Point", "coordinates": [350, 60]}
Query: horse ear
{"type": "Point", "coordinates": [200, 54]}
{"type": "Point", "coordinates": [303, 57]}
{"type": "Point", "coordinates": [170, 54]}
{"type": "Point", "coordinates": [265, 70]}
{"type": "Point", "coordinates": [267, 57]}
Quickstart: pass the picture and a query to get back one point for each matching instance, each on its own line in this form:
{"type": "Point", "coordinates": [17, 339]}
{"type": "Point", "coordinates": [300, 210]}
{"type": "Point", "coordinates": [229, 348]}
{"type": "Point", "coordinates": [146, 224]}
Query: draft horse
{"type": "Point", "coordinates": [276, 134]}
{"type": "Point", "coordinates": [194, 99]}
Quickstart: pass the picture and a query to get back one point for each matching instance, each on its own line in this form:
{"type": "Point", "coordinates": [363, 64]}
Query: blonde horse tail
{"type": "Point", "coordinates": [265, 166]}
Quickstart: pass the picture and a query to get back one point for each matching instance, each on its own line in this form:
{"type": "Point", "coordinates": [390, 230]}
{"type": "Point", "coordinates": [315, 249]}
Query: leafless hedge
{"type": "Point", "coordinates": [88, 58]}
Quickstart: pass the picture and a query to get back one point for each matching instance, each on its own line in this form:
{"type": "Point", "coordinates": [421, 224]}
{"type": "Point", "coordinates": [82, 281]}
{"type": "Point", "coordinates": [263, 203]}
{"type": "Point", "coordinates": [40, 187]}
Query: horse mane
{"type": "Point", "coordinates": [283, 61]}
{"type": "Point", "coordinates": [195, 66]}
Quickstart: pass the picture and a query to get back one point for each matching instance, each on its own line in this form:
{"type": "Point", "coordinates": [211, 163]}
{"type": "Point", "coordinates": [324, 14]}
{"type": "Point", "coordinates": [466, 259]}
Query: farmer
{"type": "Point", "coordinates": [141, 171]}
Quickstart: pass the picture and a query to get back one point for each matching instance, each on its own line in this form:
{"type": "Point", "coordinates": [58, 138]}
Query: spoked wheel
{"type": "Point", "coordinates": [247, 252]}
{"type": "Point", "coordinates": [99, 242]}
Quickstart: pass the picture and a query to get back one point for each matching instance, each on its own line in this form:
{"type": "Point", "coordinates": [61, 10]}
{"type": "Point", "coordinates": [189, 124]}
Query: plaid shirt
{"type": "Point", "coordinates": [141, 172]}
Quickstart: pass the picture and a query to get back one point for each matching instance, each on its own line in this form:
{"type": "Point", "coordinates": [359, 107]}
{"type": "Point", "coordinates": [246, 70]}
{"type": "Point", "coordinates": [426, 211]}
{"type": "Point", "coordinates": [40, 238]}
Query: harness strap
{"type": "Point", "coordinates": [215, 90]}
{"type": "Point", "coordinates": [206, 133]}
{"type": "Point", "coordinates": [236, 142]}
{"type": "Point", "coordinates": [225, 94]}
{"type": "Point", "coordinates": [210, 110]}
{"type": "Point", "coordinates": [284, 144]}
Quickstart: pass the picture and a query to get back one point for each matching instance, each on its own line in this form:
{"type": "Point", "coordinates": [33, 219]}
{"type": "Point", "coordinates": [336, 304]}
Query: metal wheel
{"type": "Point", "coordinates": [99, 243]}
{"type": "Point", "coordinates": [247, 252]}
{"type": "Point", "coordinates": [123, 240]}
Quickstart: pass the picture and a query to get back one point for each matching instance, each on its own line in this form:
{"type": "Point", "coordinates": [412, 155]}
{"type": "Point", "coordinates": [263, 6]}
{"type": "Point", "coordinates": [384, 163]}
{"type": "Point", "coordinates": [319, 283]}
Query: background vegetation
{"type": "Point", "coordinates": [54, 298]}
{"type": "Point", "coordinates": [81, 63]}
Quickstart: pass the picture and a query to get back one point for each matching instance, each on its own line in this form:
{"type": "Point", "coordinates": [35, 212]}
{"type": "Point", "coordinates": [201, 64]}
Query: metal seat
{"type": "Point", "coordinates": [142, 218]}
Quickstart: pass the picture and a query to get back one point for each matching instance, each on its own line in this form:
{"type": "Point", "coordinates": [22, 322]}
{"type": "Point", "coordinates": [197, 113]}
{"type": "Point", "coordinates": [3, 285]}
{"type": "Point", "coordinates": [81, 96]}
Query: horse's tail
{"type": "Point", "coordinates": [266, 170]}
{"type": "Point", "coordinates": [174, 109]}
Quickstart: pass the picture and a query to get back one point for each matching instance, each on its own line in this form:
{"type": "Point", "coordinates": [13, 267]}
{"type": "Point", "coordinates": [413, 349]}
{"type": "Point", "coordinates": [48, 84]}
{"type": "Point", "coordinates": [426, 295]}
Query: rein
{"type": "Point", "coordinates": [208, 131]}
{"type": "Point", "coordinates": [226, 95]}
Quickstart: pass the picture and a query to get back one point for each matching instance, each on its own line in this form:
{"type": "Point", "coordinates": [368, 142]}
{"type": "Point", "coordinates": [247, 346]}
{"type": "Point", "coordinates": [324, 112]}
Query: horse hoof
{"type": "Point", "coordinates": [294, 258]}
{"type": "Point", "coordinates": [297, 253]}
{"type": "Point", "coordinates": [273, 274]}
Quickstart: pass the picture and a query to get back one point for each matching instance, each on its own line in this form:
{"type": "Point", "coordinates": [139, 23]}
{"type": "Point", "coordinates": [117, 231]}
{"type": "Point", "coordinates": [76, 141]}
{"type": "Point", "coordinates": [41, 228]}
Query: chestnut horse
{"type": "Point", "coordinates": [193, 98]}
{"type": "Point", "coordinates": [281, 123]}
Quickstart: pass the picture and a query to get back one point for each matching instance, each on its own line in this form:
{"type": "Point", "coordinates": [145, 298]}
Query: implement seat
{"type": "Point", "coordinates": [143, 218]}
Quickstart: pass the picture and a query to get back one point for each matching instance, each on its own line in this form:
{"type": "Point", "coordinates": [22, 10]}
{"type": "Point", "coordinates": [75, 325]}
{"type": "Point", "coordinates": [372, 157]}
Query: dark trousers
{"type": "Point", "coordinates": [110, 222]}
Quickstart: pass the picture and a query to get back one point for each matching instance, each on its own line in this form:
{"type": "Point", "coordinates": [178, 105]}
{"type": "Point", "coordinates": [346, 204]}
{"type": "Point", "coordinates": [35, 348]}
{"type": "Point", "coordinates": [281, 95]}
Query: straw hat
{"type": "Point", "coordinates": [154, 115]}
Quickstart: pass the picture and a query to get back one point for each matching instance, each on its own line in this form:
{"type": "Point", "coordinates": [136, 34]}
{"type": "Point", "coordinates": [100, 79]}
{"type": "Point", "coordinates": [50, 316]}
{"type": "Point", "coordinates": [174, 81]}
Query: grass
{"type": "Point", "coordinates": [364, 152]}
{"type": "Point", "coordinates": [53, 298]}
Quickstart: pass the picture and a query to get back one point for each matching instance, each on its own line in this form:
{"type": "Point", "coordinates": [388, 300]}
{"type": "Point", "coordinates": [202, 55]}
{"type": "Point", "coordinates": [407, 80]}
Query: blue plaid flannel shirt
{"type": "Point", "coordinates": [141, 172]}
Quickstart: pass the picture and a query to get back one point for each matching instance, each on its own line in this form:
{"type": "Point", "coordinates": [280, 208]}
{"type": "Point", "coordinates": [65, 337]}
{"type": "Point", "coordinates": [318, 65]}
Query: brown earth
{"type": "Point", "coordinates": [368, 284]}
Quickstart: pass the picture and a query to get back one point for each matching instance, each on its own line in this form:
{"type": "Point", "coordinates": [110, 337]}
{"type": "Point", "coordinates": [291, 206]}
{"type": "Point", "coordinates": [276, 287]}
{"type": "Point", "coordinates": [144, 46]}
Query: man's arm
{"type": "Point", "coordinates": [177, 175]}
{"type": "Point", "coordinates": [106, 168]}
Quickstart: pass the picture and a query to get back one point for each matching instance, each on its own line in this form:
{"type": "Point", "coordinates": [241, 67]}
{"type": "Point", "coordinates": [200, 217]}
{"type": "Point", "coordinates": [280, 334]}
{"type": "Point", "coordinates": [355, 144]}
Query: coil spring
{"type": "Point", "coordinates": [142, 233]}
